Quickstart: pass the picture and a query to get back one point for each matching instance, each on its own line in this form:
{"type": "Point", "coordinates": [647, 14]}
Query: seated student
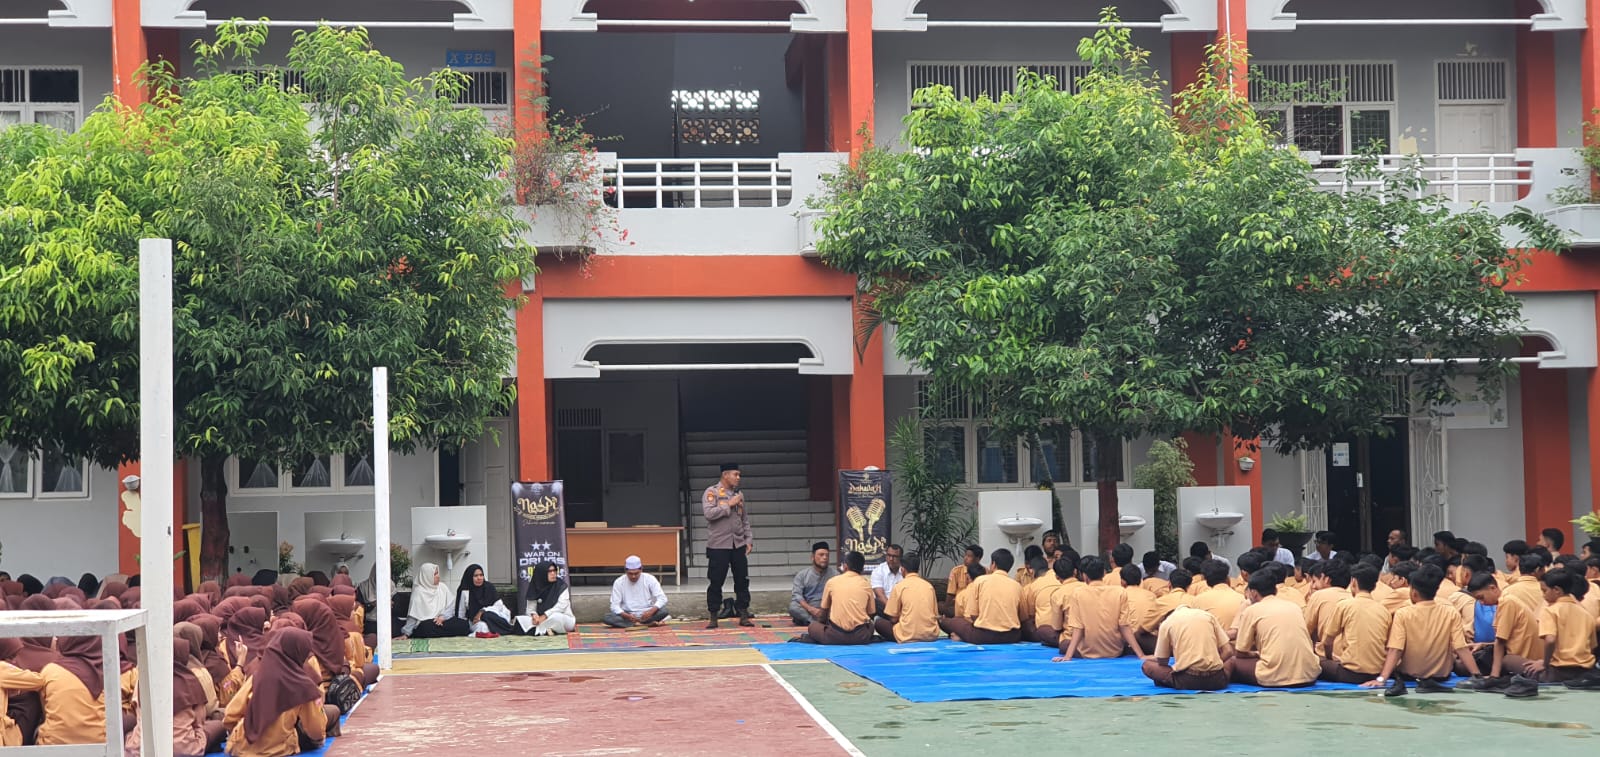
{"type": "Point", "coordinates": [1272, 550]}
{"type": "Point", "coordinates": [1322, 548]}
{"type": "Point", "coordinates": [479, 603]}
{"type": "Point", "coordinates": [13, 679]}
{"type": "Point", "coordinates": [1097, 618]}
{"type": "Point", "coordinates": [961, 577]}
{"type": "Point", "coordinates": [1141, 602]}
{"type": "Point", "coordinates": [1050, 611]}
{"type": "Point", "coordinates": [913, 610]}
{"type": "Point", "coordinates": [1198, 584]}
{"type": "Point", "coordinates": [432, 613]}
{"type": "Point", "coordinates": [71, 692]}
{"type": "Point", "coordinates": [1478, 628]}
{"type": "Point", "coordinates": [279, 711]}
{"type": "Point", "coordinates": [549, 603]}
{"type": "Point", "coordinates": [1423, 638]}
{"type": "Point", "coordinates": [805, 595]}
{"type": "Point", "coordinates": [193, 733]}
{"type": "Point", "coordinates": [1394, 590]}
{"type": "Point", "coordinates": [848, 604]}
{"type": "Point", "coordinates": [1046, 585]}
{"type": "Point", "coordinates": [1219, 598]}
{"type": "Point", "coordinates": [1329, 582]}
{"type": "Point", "coordinates": [1450, 592]}
{"type": "Point", "coordinates": [961, 604]}
{"type": "Point", "coordinates": [995, 596]}
{"type": "Point", "coordinates": [1355, 632]}
{"type": "Point", "coordinates": [1120, 557]}
{"type": "Point", "coordinates": [636, 598]}
{"type": "Point", "coordinates": [1552, 539]}
{"type": "Point", "coordinates": [1591, 599]}
{"type": "Point", "coordinates": [1566, 630]}
{"type": "Point", "coordinates": [1025, 571]}
{"type": "Point", "coordinates": [1525, 585]}
{"type": "Point", "coordinates": [1591, 548]}
{"type": "Point", "coordinates": [1255, 560]}
{"type": "Point", "coordinates": [1516, 636]}
{"type": "Point", "coordinates": [1273, 648]}
{"type": "Point", "coordinates": [1155, 572]}
{"type": "Point", "coordinates": [1513, 551]}
{"type": "Point", "coordinates": [1198, 650]}
{"type": "Point", "coordinates": [1148, 626]}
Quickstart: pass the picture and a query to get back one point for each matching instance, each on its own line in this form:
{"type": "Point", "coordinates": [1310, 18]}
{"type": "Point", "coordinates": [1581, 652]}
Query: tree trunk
{"type": "Point", "coordinates": [1106, 484]}
{"type": "Point", "coordinates": [214, 533]}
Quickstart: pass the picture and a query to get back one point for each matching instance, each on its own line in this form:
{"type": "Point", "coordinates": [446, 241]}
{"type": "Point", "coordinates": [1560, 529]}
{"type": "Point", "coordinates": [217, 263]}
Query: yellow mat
{"type": "Point", "coordinates": [695, 658]}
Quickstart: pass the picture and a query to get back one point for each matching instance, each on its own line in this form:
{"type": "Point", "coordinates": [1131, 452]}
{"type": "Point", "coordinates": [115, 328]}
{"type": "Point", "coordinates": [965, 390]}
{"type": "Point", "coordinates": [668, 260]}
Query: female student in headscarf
{"type": "Point", "coordinates": [12, 721]}
{"type": "Point", "coordinates": [549, 602]}
{"type": "Point", "coordinates": [88, 584]}
{"type": "Point", "coordinates": [329, 642]}
{"type": "Point", "coordinates": [433, 610]}
{"type": "Point", "coordinates": [73, 694]}
{"type": "Point", "coordinates": [191, 633]}
{"type": "Point", "coordinates": [193, 735]}
{"type": "Point", "coordinates": [280, 707]}
{"type": "Point", "coordinates": [246, 633]}
{"type": "Point", "coordinates": [479, 604]}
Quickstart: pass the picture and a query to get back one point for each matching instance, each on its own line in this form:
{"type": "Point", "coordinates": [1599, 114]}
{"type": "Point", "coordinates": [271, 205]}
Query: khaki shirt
{"type": "Point", "coordinates": [727, 527]}
{"type": "Point", "coordinates": [1275, 629]}
{"type": "Point", "coordinates": [1164, 605]}
{"type": "Point", "coordinates": [915, 607]}
{"type": "Point", "coordinates": [1427, 635]}
{"type": "Point", "coordinates": [1319, 604]}
{"type": "Point", "coordinates": [1156, 586]}
{"type": "Point", "coordinates": [848, 600]}
{"type": "Point", "coordinates": [16, 679]}
{"type": "Point", "coordinates": [1221, 601]}
{"type": "Point", "coordinates": [1573, 628]}
{"type": "Point", "coordinates": [995, 598]}
{"type": "Point", "coordinates": [1529, 590]}
{"type": "Point", "coordinates": [1098, 611]}
{"type": "Point", "coordinates": [1391, 598]}
{"type": "Point", "coordinates": [1363, 628]}
{"type": "Point", "coordinates": [1028, 606]}
{"type": "Point", "coordinates": [959, 580]}
{"type": "Point", "coordinates": [1140, 602]}
{"type": "Point", "coordinates": [1517, 624]}
{"type": "Point", "coordinates": [72, 713]}
{"type": "Point", "coordinates": [280, 737]}
{"type": "Point", "coordinates": [1193, 639]}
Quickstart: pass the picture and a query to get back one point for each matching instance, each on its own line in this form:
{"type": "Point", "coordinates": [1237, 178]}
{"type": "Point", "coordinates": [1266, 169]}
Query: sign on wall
{"type": "Point", "coordinates": [469, 58]}
{"type": "Point", "coordinates": [538, 510]}
{"type": "Point", "coordinates": [864, 524]}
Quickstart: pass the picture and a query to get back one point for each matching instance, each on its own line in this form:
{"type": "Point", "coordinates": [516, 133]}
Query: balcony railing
{"type": "Point", "coordinates": [700, 183]}
{"type": "Point", "coordinates": [1459, 177]}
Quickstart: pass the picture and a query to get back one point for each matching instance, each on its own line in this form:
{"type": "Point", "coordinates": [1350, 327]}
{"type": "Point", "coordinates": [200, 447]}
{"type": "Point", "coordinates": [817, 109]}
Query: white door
{"type": "Point", "coordinates": [1429, 471]}
{"type": "Point", "coordinates": [486, 481]}
{"type": "Point", "coordinates": [1475, 129]}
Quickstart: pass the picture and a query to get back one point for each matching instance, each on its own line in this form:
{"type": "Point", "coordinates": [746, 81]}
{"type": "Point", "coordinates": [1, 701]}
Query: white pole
{"type": "Point", "coordinates": [380, 511]}
{"type": "Point", "coordinates": [156, 455]}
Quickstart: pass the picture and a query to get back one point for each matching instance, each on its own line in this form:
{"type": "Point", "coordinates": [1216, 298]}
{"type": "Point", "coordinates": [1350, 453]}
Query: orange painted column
{"type": "Point", "coordinates": [866, 381]}
{"type": "Point", "coordinates": [128, 52]}
{"type": "Point", "coordinates": [1536, 84]}
{"type": "Point", "coordinates": [128, 556]}
{"type": "Point", "coordinates": [838, 86]}
{"type": "Point", "coordinates": [1546, 460]}
{"type": "Point", "coordinates": [533, 390]}
{"type": "Point", "coordinates": [858, 36]}
{"type": "Point", "coordinates": [1233, 36]}
{"type": "Point", "coordinates": [527, 24]}
{"type": "Point", "coordinates": [1589, 62]}
{"type": "Point", "coordinates": [1202, 449]}
{"type": "Point", "coordinates": [1188, 58]}
{"type": "Point", "coordinates": [1232, 476]}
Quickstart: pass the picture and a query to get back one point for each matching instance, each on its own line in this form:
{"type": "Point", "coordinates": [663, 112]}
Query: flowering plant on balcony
{"type": "Point", "coordinates": [555, 167]}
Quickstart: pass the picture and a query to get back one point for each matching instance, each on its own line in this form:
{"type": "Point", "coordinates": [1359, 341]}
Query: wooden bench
{"type": "Point", "coordinates": [598, 546]}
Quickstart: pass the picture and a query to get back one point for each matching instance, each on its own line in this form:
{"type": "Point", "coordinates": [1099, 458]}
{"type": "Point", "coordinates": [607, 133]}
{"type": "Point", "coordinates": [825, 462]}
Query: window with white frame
{"type": "Point", "coordinates": [1332, 108]}
{"type": "Point", "coordinates": [311, 474]}
{"type": "Point", "coordinates": [52, 96]}
{"type": "Point", "coordinates": [970, 80]}
{"type": "Point", "coordinates": [487, 89]}
{"type": "Point", "coordinates": [50, 475]}
{"type": "Point", "coordinates": [956, 441]}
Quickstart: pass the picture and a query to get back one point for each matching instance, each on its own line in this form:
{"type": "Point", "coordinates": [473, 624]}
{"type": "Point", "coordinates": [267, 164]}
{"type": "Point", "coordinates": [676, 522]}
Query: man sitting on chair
{"type": "Point", "coordinates": [636, 598]}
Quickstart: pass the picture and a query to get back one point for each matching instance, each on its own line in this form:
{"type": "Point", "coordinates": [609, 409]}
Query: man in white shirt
{"type": "Point", "coordinates": [636, 598]}
{"type": "Point", "coordinates": [1324, 547]}
{"type": "Point", "coordinates": [1269, 540]}
{"type": "Point", "coordinates": [887, 574]}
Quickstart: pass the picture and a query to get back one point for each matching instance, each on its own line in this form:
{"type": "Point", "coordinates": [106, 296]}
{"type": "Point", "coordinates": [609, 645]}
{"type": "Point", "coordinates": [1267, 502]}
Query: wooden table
{"type": "Point", "coordinates": [609, 547]}
{"type": "Point", "coordinates": [106, 624]}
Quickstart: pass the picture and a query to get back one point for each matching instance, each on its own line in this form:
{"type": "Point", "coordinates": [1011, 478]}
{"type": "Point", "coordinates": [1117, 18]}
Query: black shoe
{"type": "Point", "coordinates": [746, 619]}
{"type": "Point", "coordinates": [1430, 686]}
{"type": "Point", "coordinates": [1397, 688]}
{"type": "Point", "coordinates": [1522, 687]}
{"type": "Point", "coordinates": [711, 624]}
{"type": "Point", "coordinates": [1589, 682]}
{"type": "Point", "coordinates": [1480, 683]}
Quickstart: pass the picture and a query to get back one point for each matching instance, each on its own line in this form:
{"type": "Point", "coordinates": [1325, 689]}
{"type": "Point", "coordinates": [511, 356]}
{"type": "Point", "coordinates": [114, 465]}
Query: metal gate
{"type": "Point", "coordinates": [1429, 490]}
{"type": "Point", "coordinates": [1314, 488]}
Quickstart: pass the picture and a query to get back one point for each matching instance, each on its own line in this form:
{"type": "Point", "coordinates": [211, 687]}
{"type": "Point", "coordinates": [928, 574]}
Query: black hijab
{"type": "Point", "coordinates": [544, 592]}
{"type": "Point", "coordinates": [89, 584]}
{"type": "Point", "coordinates": [264, 577]}
{"type": "Point", "coordinates": [30, 585]}
{"type": "Point", "coordinates": [478, 597]}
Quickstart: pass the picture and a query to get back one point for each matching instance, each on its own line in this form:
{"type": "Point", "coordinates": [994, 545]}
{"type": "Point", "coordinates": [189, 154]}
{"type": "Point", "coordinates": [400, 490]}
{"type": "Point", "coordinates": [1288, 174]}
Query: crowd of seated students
{"type": "Point", "coordinates": [253, 662]}
{"type": "Point", "coordinates": [1413, 615]}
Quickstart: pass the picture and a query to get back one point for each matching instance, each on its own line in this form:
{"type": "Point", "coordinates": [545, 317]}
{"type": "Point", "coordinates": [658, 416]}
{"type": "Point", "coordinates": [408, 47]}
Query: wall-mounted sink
{"type": "Point", "coordinates": [1128, 525]}
{"type": "Point", "coordinates": [1019, 529]}
{"type": "Point", "coordinates": [343, 549]}
{"type": "Point", "coordinates": [449, 544]}
{"type": "Point", "coordinates": [1219, 521]}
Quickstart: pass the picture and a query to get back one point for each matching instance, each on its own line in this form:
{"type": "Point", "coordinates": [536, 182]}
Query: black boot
{"type": "Point", "coordinates": [712, 623]}
{"type": "Point", "coordinates": [746, 619]}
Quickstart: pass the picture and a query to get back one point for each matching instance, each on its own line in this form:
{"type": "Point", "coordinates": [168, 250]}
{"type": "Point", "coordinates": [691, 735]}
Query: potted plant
{"type": "Point", "coordinates": [1590, 523]}
{"type": "Point", "coordinates": [288, 569]}
{"type": "Point", "coordinates": [1577, 210]}
{"type": "Point", "coordinates": [931, 510]}
{"type": "Point", "coordinates": [1292, 533]}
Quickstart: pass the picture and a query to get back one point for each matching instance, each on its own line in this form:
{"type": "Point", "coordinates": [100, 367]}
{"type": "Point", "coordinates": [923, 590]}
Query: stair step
{"type": "Point", "coordinates": [788, 508]}
{"type": "Point", "coordinates": [726, 435]}
{"type": "Point", "coordinates": [717, 458]}
{"type": "Point", "coordinates": [776, 520]}
{"type": "Point", "coordinates": [743, 446]}
{"type": "Point", "coordinates": [755, 483]}
{"type": "Point", "coordinates": [712, 471]}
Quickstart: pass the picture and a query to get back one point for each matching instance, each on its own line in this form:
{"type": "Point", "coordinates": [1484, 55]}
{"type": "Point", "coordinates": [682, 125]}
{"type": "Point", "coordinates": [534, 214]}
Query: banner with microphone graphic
{"type": "Point", "coordinates": [864, 523]}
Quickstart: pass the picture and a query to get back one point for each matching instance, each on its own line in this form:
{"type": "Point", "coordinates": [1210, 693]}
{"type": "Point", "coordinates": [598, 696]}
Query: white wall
{"type": "Point", "coordinates": [62, 537]}
{"type": "Point", "coordinates": [1485, 478]}
{"type": "Point", "coordinates": [41, 46]}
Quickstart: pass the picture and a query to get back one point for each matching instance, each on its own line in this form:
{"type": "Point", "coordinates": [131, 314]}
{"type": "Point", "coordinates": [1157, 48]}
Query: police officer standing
{"type": "Point", "coordinates": [728, 544]}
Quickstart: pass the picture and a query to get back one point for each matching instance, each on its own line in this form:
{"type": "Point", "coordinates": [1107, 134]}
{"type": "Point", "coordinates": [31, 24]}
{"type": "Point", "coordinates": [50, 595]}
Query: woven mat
{"type": "Point", "coordinates": [774, 629]}
{"type": "Point", "coordinates": [471, 645]}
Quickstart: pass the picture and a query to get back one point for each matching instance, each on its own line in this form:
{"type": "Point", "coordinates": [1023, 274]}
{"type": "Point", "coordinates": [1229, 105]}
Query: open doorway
{"type": "Point", "coordinates": [1369, 486]}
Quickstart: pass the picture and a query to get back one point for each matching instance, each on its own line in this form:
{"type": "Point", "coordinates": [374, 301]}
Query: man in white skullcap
{"type": "Point", "coordinates": [636, 598]}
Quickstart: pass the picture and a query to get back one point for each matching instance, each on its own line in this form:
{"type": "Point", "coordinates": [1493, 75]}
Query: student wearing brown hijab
{"type": "Point", "coordinates": [355, 645]}
{"type": "Point", "coordinates": [223, 674]}
{"type": "Point", "coordinates": [193, 735]}
{"type": "Point", "coordinates": [13, 720]}
{"type": "Point", "coordinates": [300, 587]}
{"type": "Point", "coordinates": [213, 591]}
{"type": "Point", "coordinates": [327, 639]}
{"type": "Point", "coordinates": [73, 694]}
{"type": "Point", "coordinates": [186, 608]}
{"type": "Point", "coordinates": [280, 707]}
{"type": "Point", "coordinates": [238, 579]}
{"type": "Point", "coordinates": [246, 635]}
{"type": "Point", "coordinates": [191, 633]}
{"type": "Point", "coordinates": [281, 599]}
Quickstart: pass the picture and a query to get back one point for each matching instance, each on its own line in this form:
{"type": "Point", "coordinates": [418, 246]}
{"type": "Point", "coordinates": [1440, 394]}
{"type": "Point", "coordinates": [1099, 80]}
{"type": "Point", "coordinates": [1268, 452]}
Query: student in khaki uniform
{"type": "Point", "coordinates": [1050, 617]}
{"type": "Point", "coordinates": [279, 709]}
{"type": "Point", "coordinates": [1045, 583]}
{"type": "Point", "coordinates": [15, 679]}
{"type": "Point", "coordinates": [913, 610]}
{"type": "Point", "coordinates": [961, 577]}
{"type": "Point", "coordinates": [995, 599]}
{"type": "Point", "coordinates": [1153, 582]}
{"type": "Point", "coordinates": [1591, 598]}
{"type": "Point", "coordinates": [962, 603]}
{"type": "Point", "coordinates": [1330, 583]}
{"type": "Point", "coordinates": [72, 693]}
{"type": "Point", "coordinates": [1516, 630]}
{"type": "Point", "coordinates": [1198, 649]}
{"type": "Point", "coordinates": [1149, 625]}
{"type": "Point", "coordinates": [1141, 602]}
{"type": "Point", "coordinates": [1025, 571]}
{"type": "Point", "coordinates": [1525, 586]}
{"type": "Point", "coordinates": [1394, 590]}
{"type": "Point", "coordinates": [1219, 599]}
{"type": "Point", "coordinates": [848, 604]}
{"type": "Point", "coordinates": [1355, 633]}
{"type": "Point", "coordinates": [1513, 551]}
{"type": "Point", "coordinates": [1096, 618]}
{"type": "Point", "coordinates": [1423, 639]}
{"type": "Point", "coordinates": [1273, 649]}
{"type": "Point", "coordinates": [1566, 629]}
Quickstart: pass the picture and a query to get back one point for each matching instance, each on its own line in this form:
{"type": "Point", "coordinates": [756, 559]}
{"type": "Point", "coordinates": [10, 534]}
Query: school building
{"type": "Point", "coordinates": [712, 332]}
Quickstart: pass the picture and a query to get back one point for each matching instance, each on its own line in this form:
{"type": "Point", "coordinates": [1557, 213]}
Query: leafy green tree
{"type": "Point", "coordinates": [326, 221]}
{"type": "Point", "coordinates": [932, 512]}
{"type": "Point", "coordinates": [1166, 468]}
{"type": "Point", "coordinates": [1103, 260]}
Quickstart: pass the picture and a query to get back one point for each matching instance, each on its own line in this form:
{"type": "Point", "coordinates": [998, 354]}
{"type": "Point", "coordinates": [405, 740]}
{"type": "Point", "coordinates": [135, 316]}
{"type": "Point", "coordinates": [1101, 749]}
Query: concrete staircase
{"type": "Point", "coordinates": [785, 519]}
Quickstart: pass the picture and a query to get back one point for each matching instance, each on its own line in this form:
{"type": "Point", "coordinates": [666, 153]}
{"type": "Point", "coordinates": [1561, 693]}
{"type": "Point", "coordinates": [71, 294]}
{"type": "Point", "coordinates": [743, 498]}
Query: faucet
{"type": "Point", "coordinates": [342, 536]}
{"type": "Point", "coordinates": [450, 532]}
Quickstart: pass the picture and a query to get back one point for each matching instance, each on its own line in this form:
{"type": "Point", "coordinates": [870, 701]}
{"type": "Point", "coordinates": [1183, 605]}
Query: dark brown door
{"type": "Point", "coordinates": [578, 465]}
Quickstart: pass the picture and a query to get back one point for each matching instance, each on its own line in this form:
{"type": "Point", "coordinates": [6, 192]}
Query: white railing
{"type": "Point", "coordinates": [107, 625]}
{"type": "Point", "coordinates": [1459, 177]}
{"type": "Point", "coordinates": [698, 183]}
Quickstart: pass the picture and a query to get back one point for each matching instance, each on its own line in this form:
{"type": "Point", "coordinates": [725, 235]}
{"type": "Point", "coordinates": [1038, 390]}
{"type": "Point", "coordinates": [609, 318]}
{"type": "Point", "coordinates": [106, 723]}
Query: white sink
{"type": "Point", "coordinates": [1018, 526]}
{"type": "Point", "coordinates": [1218, 521]}
{"type": "Point", "coordinates": [448, 543]}
{"type": "Point", "coordinates": [343, 549]}
{"type": "Point", "coordinates": [1127, 525]}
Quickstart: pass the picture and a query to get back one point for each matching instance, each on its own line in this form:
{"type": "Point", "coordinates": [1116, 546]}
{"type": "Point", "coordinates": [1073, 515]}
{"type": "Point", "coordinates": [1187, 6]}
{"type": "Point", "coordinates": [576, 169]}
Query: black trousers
{"type": "Point", "coordinates": [719, 561]}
